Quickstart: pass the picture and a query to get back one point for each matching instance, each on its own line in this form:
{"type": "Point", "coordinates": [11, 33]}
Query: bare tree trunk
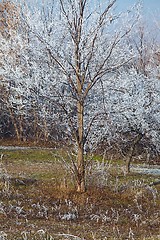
{"type": "Point", "coordinates": [21, 130]}
{"type": "Point", "coordinates": [129, 159]}
{"type": "Point", "coordinates": [36, 131]}
{"type": "Point", "coordinates": [46, 131]}
{"type": "Point", "coordinates": [15, 124]}
{"type": "Point", "coordinates": [131, 151]}
{"type": "Point", "coordinates": [81, 187]}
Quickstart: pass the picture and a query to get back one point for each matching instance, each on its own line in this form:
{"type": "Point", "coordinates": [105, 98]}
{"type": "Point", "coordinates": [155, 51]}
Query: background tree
{"type": "Point", "coordinates": [134, 100]}
{"type": "Point", "coordinates": [134, 103]}
{"type": "Point", "coordinates": [9, 20]}
{"type": "Point", "coordinates": [22, 84]}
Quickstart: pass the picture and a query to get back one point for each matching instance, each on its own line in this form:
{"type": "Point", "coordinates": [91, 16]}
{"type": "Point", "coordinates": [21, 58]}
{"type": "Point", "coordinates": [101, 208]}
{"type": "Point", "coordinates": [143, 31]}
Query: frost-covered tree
{"type": "Point", "coordinates": [10, 48]}
{"type": "Point", "coordinates": [145, 45]}
{"type": "Point", "coordinates": [134, 101]}
{"type": "Point", "coordinates": [86, 42]}
{"type": "Point", "coordinates": [24, 76]}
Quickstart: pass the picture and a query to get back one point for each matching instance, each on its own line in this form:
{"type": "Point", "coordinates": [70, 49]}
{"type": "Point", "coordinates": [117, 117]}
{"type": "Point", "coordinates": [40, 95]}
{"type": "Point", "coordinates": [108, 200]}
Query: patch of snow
{"type": "Point", "coordinates": [150, 170]}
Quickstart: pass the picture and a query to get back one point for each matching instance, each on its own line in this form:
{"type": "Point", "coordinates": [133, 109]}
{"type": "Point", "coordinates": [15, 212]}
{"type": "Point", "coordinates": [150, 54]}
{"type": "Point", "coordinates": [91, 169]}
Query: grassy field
{"type": "Point", "coordinates": [38, 199]}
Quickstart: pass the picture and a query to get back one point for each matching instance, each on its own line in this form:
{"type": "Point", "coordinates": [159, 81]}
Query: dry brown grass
{"type": "Point", "coordinates": [125, 208]}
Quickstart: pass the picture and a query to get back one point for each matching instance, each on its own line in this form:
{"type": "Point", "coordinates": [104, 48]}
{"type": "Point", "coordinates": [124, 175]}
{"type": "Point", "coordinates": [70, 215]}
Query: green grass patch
{"type": "Point", "coordinates": [98, 158]}
{"type": "Point", "coordinates": [30, 155]}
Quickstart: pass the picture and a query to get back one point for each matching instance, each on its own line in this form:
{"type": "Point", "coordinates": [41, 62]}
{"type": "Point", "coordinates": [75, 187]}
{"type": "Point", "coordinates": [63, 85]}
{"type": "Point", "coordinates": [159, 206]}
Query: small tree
{"type": "Point", "coordinates": [134, 103]}
{"type": "Point", "coordinates": [85, 43]}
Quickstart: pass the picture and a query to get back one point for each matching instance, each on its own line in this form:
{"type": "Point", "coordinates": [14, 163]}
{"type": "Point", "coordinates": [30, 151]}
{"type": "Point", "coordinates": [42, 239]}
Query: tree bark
{"type": "Point", "coordinates": [129, 159]}
{"type": "Point", "coordinates": [131, 152]}
{"type": "Point", "coordinates": [15, 124]}
{"type": "Point", "coordinates": [81, 186]}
